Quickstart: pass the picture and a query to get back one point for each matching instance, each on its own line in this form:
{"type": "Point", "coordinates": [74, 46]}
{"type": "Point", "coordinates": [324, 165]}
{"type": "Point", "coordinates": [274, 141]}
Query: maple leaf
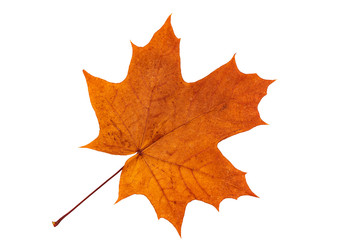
{"type": "Point", "coordinates": [174, 127]}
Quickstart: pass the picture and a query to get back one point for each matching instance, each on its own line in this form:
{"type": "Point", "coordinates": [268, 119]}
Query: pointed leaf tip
{"type": "Point", "coordinates": [166, 25]}
{"type": "Point", "coordinates": [134, 46]}
{"type": "Point", "coordinates": [86, 74]}
{"type": "Point", "coordinates": [167, 28]}
{"type": "Point", "coordinates": [233, 61]}
{"type": "Point", "coordinates": [168, 20]}
{"type": "Point", "coordinates": [271, 81]}
{"type": "Point", "coordinates": [217, 206]}
{"type": "Point", "coordinates": [178, 229]}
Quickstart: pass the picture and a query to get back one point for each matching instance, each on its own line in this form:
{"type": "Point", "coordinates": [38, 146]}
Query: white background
{"type": "Point", "coordinates": [303, 165]}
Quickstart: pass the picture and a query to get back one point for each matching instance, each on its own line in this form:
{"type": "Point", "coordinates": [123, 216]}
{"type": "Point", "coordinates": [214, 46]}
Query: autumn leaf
{"type": "Point", "coordinates": [174, 127]}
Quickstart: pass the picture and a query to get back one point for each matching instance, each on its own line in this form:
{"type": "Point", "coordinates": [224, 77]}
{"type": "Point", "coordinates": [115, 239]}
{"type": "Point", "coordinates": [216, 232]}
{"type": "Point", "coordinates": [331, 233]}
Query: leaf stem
{"type": "Point", "coordinates": [60, 219]}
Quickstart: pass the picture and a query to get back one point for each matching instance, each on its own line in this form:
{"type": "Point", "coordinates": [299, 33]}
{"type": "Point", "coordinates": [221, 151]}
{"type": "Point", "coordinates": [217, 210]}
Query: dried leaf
{"type": "Point", "coordinates": [174, 127]}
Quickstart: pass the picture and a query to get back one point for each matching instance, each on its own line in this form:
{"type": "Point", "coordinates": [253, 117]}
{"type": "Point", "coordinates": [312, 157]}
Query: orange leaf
{"type": "Point", "coordinates": [174, 127]}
